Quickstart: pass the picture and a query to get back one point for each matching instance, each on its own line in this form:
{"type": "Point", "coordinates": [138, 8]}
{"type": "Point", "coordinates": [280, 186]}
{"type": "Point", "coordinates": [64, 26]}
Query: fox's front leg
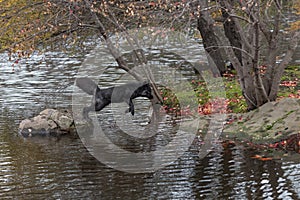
{"type": "Point", "coordinates": [86, 111]}
{"type": "Point", "coordinates": [131, 107]}
{"type": "Point", "coordinates": [97, 105]}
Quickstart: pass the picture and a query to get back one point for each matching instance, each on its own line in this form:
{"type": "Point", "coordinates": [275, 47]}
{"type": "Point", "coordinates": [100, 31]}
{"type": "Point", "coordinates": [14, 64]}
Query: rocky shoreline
{"type": "Point", "coordinates": [271, 122]}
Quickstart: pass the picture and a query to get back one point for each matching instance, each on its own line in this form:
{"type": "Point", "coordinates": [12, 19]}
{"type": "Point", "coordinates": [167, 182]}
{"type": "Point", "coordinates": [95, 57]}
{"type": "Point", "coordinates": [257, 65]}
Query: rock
{"type": "Point", "coordinates": [48, 122]}
{"type": "Point", "coordinates": [271, 122]}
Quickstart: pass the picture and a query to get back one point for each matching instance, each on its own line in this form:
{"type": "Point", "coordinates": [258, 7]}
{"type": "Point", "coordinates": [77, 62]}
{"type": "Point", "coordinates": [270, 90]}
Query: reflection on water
{"type": "Point", "coordinates": [62, 168]}
{"type": "Point", "coordinates": [42, 168]}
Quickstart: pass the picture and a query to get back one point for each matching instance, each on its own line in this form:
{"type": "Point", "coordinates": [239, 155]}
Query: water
{"type": "Point", "coordinates": [62, 168]}
{"type": "Point", "coordinates": [50, 169]}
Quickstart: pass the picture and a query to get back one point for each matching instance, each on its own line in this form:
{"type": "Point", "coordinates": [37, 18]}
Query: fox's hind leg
{"type": "Point", "coordinates": [86, 111]}
{"type": "Point", "coordinates": [131, 107]}
{"type": "Point", "coordinates": [97, 106]}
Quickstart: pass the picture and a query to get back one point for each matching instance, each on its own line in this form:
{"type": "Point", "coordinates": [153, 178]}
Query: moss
{"type": "Point", "coordinates": [265, 134]}
{"type": "Point", "coordinates": [269, 127]}
{"type": "Point", "coordinates": [266, 120]}
{"type": "Point", "coordinates": [278, 121]}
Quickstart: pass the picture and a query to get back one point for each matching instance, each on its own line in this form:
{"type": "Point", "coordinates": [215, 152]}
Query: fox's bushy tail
{"type": "Point", "coordinates": [87, 85]}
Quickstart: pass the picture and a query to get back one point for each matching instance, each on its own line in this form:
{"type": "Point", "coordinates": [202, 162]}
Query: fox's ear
{"type": "Point", "coordinates": [146, 82]}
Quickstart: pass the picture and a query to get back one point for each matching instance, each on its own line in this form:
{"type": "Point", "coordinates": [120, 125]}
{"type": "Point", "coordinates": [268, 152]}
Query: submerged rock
{"type": "Point", "coordinates": [48, 122]}
{"type": "Point", "coordinates": [271, 122]}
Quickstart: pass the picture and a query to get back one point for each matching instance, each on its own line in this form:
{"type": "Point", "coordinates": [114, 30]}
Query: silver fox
{"type": "Point", "coordinates": [103, 97]}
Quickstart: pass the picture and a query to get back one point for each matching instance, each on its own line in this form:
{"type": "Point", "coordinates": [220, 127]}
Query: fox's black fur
{"type": "Point", "coordinates": [117, 94]}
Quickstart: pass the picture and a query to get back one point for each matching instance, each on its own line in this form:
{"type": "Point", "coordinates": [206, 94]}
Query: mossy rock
{"type": "Point", "coordinates": [270, 122]}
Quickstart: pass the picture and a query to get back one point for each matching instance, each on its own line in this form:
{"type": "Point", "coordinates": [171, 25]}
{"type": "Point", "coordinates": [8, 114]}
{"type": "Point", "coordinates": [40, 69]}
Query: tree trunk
{"type": "Point", "coordinates": [231, 32]}
{"type": "Point", "coordinates": [210, 39]}
{"type": "Point", "coordinates": [211, 46]}
{"type": "Point", "coordinates": [250, 34]}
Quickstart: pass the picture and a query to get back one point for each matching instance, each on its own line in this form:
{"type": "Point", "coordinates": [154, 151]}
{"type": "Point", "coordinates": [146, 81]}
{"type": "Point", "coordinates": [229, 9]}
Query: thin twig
{"type": "Point", "coordinates": [227, 47]}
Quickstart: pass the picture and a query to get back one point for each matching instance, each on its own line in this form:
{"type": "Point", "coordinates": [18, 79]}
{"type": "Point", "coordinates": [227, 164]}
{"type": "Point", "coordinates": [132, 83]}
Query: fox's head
{"type": "Point", "coordinates": [146, 91]}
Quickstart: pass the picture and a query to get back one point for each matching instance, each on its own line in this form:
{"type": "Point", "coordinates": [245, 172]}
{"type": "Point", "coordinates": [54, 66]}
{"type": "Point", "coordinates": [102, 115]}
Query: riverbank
{"type": "Point", "coordinates": [275, 123]}
{"type": "Point", "coordinates": [271, 122]}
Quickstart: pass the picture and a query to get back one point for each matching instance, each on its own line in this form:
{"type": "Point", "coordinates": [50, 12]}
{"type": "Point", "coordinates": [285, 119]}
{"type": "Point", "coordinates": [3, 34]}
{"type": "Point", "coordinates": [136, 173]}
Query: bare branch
{"type": "Point", "coordinates": [258, 81]}
{"type": "Point", "coordinates": [114, 51]}
{"type": "Point", "coordinates": [231, 47]}
{"type": "Point", "coordinates": [287, 58]}
{"type": "Point", "coordinates": [240, 17]}
{"type": "Point", "coordinates": [142, 58]}
{"type": "Point", "coordinates": [231, 11]}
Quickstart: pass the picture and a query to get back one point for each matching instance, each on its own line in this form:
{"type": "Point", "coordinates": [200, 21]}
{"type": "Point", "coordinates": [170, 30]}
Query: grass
{"type": "Point", "coordinates": [290, 86]}
{"type": "Point", "coordinates": [234, 101]}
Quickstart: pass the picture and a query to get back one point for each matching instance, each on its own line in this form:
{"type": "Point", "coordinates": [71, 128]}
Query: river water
{"type": "Point", "coordinates": [62, 168]}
